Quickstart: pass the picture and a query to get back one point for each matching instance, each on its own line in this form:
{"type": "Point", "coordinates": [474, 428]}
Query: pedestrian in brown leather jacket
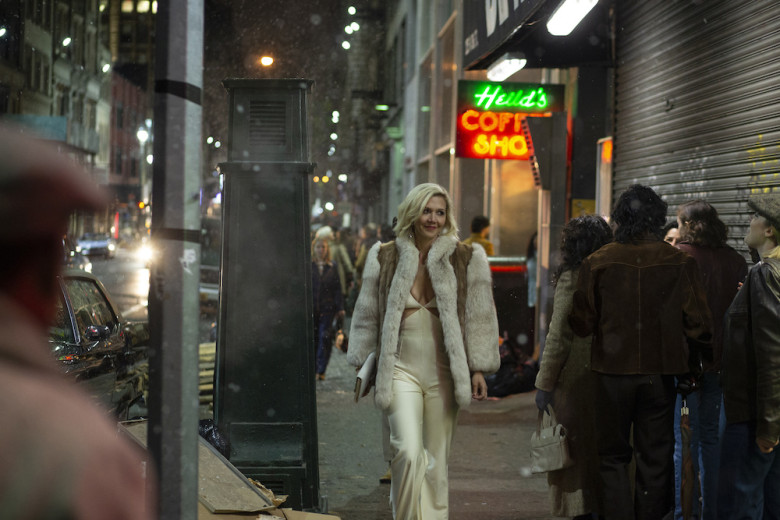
{"type": "Point", "coordinates": [641, 298]}
{"type": "Point", "coordinates": [749, 483]}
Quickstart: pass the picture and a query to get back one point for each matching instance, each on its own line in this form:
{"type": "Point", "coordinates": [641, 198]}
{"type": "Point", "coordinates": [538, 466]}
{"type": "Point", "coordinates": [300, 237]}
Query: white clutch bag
{"type": "Point", "coordinates": [365, 377]}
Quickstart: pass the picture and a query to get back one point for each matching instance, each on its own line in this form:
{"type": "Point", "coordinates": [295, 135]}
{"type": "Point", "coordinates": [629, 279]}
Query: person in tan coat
{"type": "Point", "coordinates": [60, 456]}
{"type": "Point", "coordinates": [565, 380]}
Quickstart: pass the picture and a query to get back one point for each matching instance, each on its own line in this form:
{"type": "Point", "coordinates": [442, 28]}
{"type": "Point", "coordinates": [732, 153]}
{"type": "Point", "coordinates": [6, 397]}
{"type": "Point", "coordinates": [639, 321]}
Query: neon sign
{"type": "Point", "coordinates": [533, 99]}
{"type": "Point", "coordinates": [491, 117]}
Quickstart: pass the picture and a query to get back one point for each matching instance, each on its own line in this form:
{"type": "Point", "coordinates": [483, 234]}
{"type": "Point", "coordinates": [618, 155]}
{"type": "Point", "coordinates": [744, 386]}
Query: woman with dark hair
{"type": "Point", "coordinates": [703, 236]}
{"type": "Point", "coordinates": [565, 378]}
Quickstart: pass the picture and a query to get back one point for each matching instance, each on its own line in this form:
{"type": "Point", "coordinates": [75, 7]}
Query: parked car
{"type": "Point", "coordinates": [97, 346]}
{"type": "Point", "coordinates": [96, 244]}
{"type": "Point", "coordinates": [73, 259]}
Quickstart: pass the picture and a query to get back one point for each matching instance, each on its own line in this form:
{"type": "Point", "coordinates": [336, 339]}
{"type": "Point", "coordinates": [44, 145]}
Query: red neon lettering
{"type": "Point", "coordinates": [517, 145]}
{"type": "Point", "coordinates": [464, 120]}
{"type": "Point", "coordinates": [496, 143]}
{"type": "Point", "coordinates": [504, 119]}
{"type": "Point", "coordinates": [485, 125]}
{"type": "Point", "coordinates": [482, 146]}
{"type": "Point", "coordinates": [519, 122]}
{"type": "Point", "coordinates": [493, 145]}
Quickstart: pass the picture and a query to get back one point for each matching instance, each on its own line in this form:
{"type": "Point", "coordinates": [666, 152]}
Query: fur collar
{"type": "Point", "coordinates": [441, 248]}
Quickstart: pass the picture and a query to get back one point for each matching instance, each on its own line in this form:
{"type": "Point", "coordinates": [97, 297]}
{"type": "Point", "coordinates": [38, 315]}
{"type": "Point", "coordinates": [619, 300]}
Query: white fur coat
{"type": "Point", "coordinates": [470, 350]}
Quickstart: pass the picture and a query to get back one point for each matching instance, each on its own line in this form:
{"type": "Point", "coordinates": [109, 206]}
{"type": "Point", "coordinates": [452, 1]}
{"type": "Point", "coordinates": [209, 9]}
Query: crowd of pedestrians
{"type": "Point", "coordinates": [646, 312]}
{"type": "Point", "coordinates": [661, 313]}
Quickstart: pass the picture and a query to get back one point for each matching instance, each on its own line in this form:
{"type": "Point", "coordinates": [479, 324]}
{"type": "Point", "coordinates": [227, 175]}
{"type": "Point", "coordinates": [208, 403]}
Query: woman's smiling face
{"type": "Point", "coordinates": [434, 215]}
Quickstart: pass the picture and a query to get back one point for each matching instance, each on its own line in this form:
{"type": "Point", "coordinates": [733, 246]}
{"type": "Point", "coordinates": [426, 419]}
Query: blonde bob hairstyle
{"type": "Point", "coordinates": [314, 248]}
{"type": "Point", "coordinates": [414, 204]}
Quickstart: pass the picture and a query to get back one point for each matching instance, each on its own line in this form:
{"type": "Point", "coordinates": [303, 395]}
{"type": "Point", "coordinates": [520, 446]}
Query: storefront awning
{"type": "Point", "coordinates": [495, 27]}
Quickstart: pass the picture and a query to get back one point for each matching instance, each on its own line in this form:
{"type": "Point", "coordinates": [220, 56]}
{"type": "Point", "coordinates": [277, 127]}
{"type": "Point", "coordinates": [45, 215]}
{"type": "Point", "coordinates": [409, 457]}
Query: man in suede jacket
{"type": "Point", "coordinates": [643, 301]}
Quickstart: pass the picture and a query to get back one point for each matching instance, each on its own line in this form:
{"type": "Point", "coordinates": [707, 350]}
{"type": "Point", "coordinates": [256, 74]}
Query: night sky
{"type": "Point", "coordinates": [303, 36]}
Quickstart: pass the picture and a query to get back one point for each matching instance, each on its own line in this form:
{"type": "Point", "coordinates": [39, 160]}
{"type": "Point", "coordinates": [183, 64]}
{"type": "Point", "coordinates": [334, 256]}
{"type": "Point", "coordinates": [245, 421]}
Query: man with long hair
{"type": "Point", "coordinates": [642, 299]}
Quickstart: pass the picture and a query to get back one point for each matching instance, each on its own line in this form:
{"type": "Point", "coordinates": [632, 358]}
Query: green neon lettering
{"type": "Point", "coordinates": [528, 100]}
{"type": "Point", "coordinates": [542, 103]}
{"type": "Point", "coordinates": [486, 97]}
{"type": "Point", "coordinates": [516, 98]}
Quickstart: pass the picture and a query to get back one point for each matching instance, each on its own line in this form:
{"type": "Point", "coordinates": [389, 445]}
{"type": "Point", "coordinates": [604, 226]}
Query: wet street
{"type": "Point", "coordinates": [127, 280]}
{"type": "Point", "coordinates": [489, 477]}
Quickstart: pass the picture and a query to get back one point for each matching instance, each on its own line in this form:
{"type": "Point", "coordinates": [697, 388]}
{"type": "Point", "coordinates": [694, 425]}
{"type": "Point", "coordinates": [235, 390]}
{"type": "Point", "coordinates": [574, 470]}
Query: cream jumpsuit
{"type": "Point", "coordinates": [422, 417]}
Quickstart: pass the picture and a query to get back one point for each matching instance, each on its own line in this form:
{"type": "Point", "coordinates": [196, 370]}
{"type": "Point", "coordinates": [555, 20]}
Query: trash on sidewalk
{"type": "Point", "coordinates": [224, 493]}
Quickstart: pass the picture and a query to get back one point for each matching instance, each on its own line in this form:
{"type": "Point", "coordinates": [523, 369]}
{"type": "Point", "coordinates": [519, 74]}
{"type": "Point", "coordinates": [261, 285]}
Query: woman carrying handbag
{"type": "Point", "coordinates": [426, 308]}
{"type": "Point", "coordinates": [566, 381]}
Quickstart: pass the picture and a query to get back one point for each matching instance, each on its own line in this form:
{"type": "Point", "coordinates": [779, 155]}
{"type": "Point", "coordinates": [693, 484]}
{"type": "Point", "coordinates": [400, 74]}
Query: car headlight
{"type": "Point", "coordinates": [78, 249]}
{"type": "Point", "coordinates": [111, 247]}
{"type": "Point", "coordinates": [145, 253]}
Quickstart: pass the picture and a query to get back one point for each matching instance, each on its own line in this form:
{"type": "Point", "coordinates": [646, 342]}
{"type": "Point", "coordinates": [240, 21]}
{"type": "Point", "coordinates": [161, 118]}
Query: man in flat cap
{"type": "Point", "coordinates": [60, 456]}
{"type": "Point", "coordinates": [749, 483]}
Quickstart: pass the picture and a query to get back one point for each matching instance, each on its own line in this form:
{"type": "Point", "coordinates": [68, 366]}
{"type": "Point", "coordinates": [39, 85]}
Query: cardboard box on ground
{"type": "Point", "coordinates": [223, 492]}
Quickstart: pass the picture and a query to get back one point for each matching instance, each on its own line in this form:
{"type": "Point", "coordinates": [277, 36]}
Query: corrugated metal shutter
{"type": "Point", "coordinates": [698, 102]}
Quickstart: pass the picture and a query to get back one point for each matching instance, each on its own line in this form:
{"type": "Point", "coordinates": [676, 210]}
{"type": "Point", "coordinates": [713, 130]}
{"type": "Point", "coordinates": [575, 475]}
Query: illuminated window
{"type": "Point", "coordinates": [128, 6]}
{"type": "Point", "coordinates": [154, 7]}
{"type": "Point", "coordinates": [143, 6]}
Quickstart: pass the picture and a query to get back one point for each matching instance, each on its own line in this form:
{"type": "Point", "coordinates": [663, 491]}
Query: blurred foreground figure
{"type": "Point", "coordinates": [60, 456]}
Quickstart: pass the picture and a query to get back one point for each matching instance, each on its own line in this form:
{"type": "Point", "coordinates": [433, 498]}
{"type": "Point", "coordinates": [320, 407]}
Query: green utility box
{"type": "Point", "coordinates": [264, 398]}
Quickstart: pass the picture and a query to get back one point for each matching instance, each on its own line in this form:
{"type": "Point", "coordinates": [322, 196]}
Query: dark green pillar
{"type": "Point", "coordinates": [264, 390]}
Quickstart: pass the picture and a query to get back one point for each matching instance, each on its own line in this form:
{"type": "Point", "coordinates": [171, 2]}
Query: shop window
{"type": "Point", "coordinates": [442, 164]}
{"type": "Point", "coordinates": [424, 107]}
{"type": "Point", "coordinates": [444, 11]}
{"type": "Point", "coordinates": [446, 81]}
{"type": "Point", "coordinates": [425, 30]}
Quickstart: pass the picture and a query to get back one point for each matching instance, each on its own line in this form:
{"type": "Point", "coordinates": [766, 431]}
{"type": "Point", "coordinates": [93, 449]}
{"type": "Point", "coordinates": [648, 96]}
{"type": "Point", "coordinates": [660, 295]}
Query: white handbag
{"type": "Point", "coordinates": [549, 444]}
{"type": "Point", "coordinates": [365, 377]}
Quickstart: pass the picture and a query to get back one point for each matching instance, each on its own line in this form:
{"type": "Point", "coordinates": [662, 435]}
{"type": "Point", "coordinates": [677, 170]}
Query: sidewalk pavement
{"type": "Point", "coordinates": [489, 476]}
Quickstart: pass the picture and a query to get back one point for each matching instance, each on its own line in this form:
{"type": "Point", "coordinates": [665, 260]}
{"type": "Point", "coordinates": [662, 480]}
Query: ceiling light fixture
{"type": "Point", "coordinates": [505, 66]}
{"type": "Point", "coordinates": [568, 15]}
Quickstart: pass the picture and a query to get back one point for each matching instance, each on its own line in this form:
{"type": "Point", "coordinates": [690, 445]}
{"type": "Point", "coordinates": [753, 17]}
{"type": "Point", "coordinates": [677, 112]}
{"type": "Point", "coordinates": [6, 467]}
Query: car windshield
{"type": "Point", "coordinates": [94, 236]}
{"type": "Point", "coordinates": [61, 331]}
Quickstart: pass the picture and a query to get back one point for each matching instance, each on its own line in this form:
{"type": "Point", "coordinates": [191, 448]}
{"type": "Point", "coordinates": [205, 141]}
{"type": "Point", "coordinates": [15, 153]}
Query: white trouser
{"type": "Point", "coordinates": [422, 417]}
